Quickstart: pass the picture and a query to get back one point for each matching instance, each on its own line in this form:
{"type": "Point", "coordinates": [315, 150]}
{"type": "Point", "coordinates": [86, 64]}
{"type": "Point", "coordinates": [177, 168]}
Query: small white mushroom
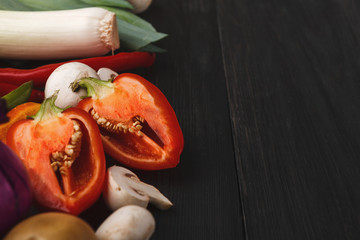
{"type": "Point", "coordinates": [106, 74]}
{"type": "Point", "coordinates": [140, 5]}
{"type": "Point", "coordinates": [127, 223]}
{"type": "Point", "coordinates": [60, 80]}
{"type": "Point", "coordinates": [125, 188]}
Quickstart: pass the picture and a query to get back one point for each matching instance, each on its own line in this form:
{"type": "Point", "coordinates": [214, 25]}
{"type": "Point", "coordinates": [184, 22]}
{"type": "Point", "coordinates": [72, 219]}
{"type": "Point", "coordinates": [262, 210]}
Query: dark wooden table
{"type": "Point", "coordinates": [267, 93]}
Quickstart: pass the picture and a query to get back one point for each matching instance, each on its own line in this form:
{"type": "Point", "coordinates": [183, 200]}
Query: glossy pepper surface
{"type": "Point", "coordinates": [63, 155]}
{"type": "Point", "coordinates": [138, 126]}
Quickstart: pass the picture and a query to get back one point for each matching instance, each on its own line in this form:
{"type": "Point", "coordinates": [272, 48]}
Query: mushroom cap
{"type": "Point", "coordinates": [140, 5]}
{"type": "Point", "coordinates": [106, 74]}
{"type": "Point", "coordinates": [129, 222]}
{"type": "Point", "coordinates": [60, 80]}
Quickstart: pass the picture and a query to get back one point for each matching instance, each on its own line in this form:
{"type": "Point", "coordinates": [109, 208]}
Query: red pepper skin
{"type": "Point", "coordinates": [161, 142]}
{"type": "Point", "coordinates": [118, 63]}
{"type": "Point", "coordinates": [36, 95]}
{"type": "Point", "coordinates": [83, 182]}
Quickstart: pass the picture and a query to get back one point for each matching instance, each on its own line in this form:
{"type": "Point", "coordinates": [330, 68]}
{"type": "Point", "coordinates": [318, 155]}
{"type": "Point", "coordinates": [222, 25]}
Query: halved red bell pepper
{"type": "Point", "coordinates": [138, 126]}
{"type": "Point", "coordinates": [63, 155]}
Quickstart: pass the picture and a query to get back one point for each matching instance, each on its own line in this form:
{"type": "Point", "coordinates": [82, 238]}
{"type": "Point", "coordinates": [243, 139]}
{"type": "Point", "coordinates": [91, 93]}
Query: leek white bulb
{"type": "Point", "coordinates": [63, 34]}
{"type": "Point", "coordinates": [60, 81]}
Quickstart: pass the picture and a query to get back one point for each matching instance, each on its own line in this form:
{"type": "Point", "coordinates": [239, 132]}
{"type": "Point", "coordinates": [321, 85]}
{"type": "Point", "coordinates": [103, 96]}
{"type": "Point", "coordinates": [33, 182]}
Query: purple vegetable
{"type": "Point", "coordinates": [3, 111]}
{"type": "Point", "coordinates": [15, 199]}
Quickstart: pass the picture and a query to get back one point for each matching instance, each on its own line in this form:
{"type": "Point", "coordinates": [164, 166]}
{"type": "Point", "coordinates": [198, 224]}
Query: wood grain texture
{"type": "Point", "coordinates": [292, 72]}
{"type": "Point", "coordinates": [204, 186]}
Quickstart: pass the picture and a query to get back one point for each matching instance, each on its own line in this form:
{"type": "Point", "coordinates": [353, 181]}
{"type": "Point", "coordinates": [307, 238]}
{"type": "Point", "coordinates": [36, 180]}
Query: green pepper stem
{"type": "Point", "coordinates": [95, 88]}
{"type": "Point", "coordinates": [48, 109]}
{"type": "Point", "coordinates": [19, 95]}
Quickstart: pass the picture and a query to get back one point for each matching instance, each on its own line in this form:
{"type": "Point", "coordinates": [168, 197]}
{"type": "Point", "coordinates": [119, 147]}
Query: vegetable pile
{"type": "Point", "coordinates": [63, 149]}
{"type": "Point", "coordinates": [61, 122]}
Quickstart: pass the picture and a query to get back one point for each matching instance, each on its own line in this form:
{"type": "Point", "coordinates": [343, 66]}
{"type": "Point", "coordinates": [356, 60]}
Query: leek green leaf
{"type": "Point", "coordinates": [152, 48]}
{"type": "Point", "coordinates": [131, 18]}
{"type": "Point", "coordinates": [42, 5]}
{"type": "Point", "coordinates": [110, 3]}
{"type": "Point", "coordinates": [18, 96]}
{"type": "Point", "coordinates": [134, 38]}
{"type": "Point", "coordinates": [13, 5]}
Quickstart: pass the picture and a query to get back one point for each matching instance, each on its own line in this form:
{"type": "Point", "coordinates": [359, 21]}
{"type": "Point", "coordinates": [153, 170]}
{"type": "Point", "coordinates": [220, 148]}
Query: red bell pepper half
{"type": "Point", "coordinates": [138, 126]}
{"type": "Point", "coordinates": [63, 155]}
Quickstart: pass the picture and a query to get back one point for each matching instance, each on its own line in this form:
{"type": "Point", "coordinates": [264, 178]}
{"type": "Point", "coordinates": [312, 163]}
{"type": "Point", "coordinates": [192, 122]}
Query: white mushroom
{"type": "Point", "coordinates": [125, 188]}
{"type": "Point", "coordinates": [140, 5]}
{"type": "Point", "coordinates": [106, 74]}
{"type": "Point", "coordinates": [60, 80]}
{"type": "Point", "coordinates": [127, 223]}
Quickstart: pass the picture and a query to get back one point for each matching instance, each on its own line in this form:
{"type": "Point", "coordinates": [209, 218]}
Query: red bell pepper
{"type": "Point", "coordinates": [138, 126]}
{"type": "Point", "coordinates": [118, 63]}
{"type": "Point", "coordinates": [63, 155]}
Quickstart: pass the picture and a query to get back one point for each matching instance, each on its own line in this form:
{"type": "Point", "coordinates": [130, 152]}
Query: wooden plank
{"type": "Point", "coordinates": [292, 70]}
{"type": "Point", "coordinates": [204, 186]}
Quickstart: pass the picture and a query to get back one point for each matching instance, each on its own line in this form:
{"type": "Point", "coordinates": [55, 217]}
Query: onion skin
{"type": "Point", "coordinates": [15, 189]}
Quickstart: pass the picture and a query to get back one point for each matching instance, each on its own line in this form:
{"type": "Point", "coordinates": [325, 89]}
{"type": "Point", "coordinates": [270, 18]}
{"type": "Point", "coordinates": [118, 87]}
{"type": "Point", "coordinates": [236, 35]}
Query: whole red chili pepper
{"type": "Point", "coordinates": [118, 63]}
{"type": "Point", "coordinates": [36, 95]}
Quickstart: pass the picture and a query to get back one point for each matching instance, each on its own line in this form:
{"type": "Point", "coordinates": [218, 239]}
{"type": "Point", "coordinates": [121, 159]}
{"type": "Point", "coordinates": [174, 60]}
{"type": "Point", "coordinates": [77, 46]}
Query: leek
{"type": "Point", "coordinates": [63, 34]}
{"type": "Point", "coordinates": [134, 32]}
{"type": "Point", "coordinates": [110, 3]}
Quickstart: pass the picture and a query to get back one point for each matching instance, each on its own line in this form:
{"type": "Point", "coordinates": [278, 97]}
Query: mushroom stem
{"type": "Point", "coordinates": [125, 188]}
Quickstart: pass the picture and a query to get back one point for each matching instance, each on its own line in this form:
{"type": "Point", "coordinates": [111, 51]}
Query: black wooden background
{"type": "Point", "coordinates": [267, 93]}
